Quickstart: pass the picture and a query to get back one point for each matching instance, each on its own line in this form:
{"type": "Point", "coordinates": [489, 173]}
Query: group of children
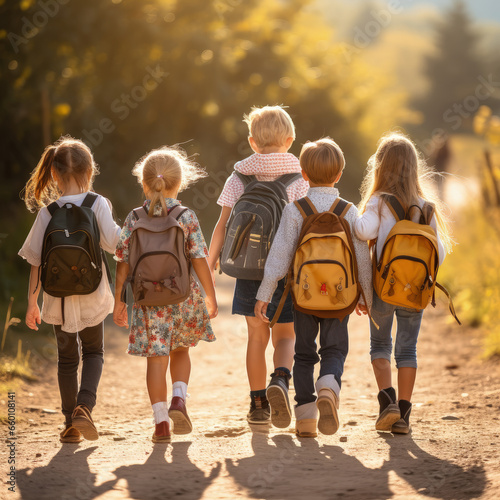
{"type": "Point", "coordinates": [65, 175]}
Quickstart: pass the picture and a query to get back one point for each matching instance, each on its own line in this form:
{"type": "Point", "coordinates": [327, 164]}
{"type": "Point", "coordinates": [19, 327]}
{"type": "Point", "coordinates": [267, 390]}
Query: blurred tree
{"type": "Point", "coordinates": [128, 75]}
{"type": "Point", "coordinates": [453, 71]}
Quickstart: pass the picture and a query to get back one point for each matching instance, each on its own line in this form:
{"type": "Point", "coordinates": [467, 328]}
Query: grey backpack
{"type": "Point", "coordinates": [252, 225]}
{"type": "Point", "coordinates": [159, 267]}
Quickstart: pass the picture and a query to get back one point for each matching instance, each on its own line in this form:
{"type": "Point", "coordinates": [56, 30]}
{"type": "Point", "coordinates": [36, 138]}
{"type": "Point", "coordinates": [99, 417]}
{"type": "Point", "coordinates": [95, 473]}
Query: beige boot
{"type": "Point", "coordinates": [328, 403]}
{"type": "Point", "coordinates": [306, 428]}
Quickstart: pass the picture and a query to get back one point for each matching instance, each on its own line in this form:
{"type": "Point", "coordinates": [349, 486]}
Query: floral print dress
{"type": "Point", "coordinates": [157, 330]}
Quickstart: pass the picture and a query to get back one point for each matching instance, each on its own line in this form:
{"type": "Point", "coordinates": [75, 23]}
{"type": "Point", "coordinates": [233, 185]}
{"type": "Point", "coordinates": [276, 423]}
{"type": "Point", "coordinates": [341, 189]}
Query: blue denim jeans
{"type": "Point", "coordinates": [334, 345]}
{"type": "Point", "coordinates": [408, 327]}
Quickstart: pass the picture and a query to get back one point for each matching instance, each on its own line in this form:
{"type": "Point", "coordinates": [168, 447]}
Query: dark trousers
{"type": "Point", "coordinates": [334, 345]}
{"type": "Point", "coordinates": [91, 341]}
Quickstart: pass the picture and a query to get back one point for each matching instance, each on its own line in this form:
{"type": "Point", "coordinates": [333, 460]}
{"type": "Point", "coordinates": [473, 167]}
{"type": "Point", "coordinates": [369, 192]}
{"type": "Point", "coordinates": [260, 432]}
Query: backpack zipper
{"type": "Point", "coordinates": [70, 246]}
{"type": "Point", "coordinates": [323, 261]}
{"type": "Point", "coordinates": [350, 253]}
{"type": "Point", "coordinates": [67, 234]}
{"type": "Point", "coordinates": [406, 257]}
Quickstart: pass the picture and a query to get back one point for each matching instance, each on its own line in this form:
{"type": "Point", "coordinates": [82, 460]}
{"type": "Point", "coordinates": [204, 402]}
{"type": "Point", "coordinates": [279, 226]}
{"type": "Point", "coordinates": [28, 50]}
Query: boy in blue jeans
{"type": "Point", "coordinates": [322, 163]}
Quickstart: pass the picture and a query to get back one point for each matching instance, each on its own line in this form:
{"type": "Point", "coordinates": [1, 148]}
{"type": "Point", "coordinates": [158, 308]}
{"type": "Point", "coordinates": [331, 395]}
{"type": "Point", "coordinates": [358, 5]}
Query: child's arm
{"type": "Point", "coordinates": [33, 317]}
{"type": "Point", "coordinates": [279, 259]}
{"type": "Point", "coordinates": [120, 316]}
{"type": "Point", "coordinates": [366, 226]}
{"type": "Point", "coordinates": [364, 262]}
{"type": "Point", "coordinates": [109, 229]}
{"type": "Point", "coordinates": [204, 274]}
{"type": "Point", "coordinates": [218, 238]}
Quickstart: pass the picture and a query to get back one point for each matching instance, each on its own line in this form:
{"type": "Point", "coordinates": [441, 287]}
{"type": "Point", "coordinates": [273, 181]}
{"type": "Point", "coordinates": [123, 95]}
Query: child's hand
{"type": "Point", "coordinates": [120, 316]}
{"type": "Point", "coordinates": [212, 307]}
{"type": "Point", "coordinates": [261, 310]}
{"type": "Point", "coordinates": [361, 309]}
{"type": "Point", "coordinates": [33, 316]}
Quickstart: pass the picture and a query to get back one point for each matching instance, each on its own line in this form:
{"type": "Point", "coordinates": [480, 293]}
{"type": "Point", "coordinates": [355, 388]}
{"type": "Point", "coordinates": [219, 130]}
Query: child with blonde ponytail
{"type": "Point", "coordinates": [160, 333]}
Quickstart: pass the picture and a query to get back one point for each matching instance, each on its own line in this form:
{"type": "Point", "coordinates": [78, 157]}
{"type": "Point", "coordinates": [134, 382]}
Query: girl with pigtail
{"type": "Point", "coordinates": [65, 175]}
{"type": "Point", "coordinates": [163, 333]}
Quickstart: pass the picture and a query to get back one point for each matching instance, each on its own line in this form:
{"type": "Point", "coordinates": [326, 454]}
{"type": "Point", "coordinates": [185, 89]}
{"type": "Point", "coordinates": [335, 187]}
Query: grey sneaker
{"type": "Point", "coordinates": [259, 411]}
{"type": "Point", "coordinates": [389, 412]}
{"type": "Point", "coordinates": [277, 395]}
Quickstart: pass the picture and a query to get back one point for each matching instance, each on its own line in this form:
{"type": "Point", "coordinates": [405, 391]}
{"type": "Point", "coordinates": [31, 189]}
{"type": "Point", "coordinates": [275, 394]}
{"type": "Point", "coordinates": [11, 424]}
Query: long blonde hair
{"type": "Point", "coordinates": [68, 157]}
{"type": "Point", "coordinates": [397, 168]}
{"type": "Point", "coordinates": [166, 169]}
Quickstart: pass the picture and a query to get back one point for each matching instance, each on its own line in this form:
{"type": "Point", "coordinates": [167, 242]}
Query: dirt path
{"type": "Point", "coordinates": [451, 454]}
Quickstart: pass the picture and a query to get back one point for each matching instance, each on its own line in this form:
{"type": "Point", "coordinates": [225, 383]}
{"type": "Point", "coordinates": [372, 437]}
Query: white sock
{"type": "Point", "coordinates": [179, 389]}
{"type": "Point", "coordinates": [160, 412]}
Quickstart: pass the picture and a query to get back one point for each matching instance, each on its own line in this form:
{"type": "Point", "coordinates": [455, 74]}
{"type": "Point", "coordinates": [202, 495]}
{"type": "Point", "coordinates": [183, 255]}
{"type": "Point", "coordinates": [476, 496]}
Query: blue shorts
{"type": "Point", "coordinates": [245, 293]}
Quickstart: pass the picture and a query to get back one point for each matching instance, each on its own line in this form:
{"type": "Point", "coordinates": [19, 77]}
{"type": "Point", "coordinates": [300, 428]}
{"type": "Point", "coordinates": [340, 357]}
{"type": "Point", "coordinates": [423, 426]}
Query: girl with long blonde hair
{"type": "Point", "coordinates": [396, 169]}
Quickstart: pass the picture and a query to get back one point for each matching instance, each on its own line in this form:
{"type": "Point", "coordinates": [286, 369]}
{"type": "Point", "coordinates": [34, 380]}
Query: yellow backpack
{"type": "Point", "coordinates": [323, 276]}
{"type": "Point", "coordinates": [405, 275]}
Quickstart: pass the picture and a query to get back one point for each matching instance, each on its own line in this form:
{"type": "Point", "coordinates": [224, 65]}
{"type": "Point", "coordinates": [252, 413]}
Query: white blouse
{"type": "Point", "coordinates": [377, 222]}
{"type": "Point", "coordinates": [80, 311]}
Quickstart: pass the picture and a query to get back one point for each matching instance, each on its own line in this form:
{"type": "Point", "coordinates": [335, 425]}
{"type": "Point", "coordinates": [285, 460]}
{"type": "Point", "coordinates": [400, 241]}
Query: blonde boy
{"type": "Point", "coordinates": [322, 164]}
{"type": "Point", "coordinates": [271, 134]}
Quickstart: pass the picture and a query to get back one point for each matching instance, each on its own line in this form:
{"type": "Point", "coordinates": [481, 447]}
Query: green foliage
{"type": "Point", "coordinates": [472, 272]}
{"type": "Point", "coordinates": [128, 76]}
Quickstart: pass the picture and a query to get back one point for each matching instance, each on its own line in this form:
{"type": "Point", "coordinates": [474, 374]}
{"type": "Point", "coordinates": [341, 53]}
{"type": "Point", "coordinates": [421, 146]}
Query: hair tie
{"type": "Point", "coordinates": [159, 176]}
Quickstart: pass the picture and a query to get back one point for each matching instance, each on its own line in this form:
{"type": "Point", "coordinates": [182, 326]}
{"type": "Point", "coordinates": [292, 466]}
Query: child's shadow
{"type": "Point", "coordinates": [66, 476]}
{"type": "Point", "coordinates": [181, 477]}
{"type": "Point", "coordinates": [305, 470]}
{"type": "Point", "coordinates": [431, 475]}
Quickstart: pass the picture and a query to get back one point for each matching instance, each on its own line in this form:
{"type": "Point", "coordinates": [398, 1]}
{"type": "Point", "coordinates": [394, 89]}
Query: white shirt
{"type": "Point", "coordinates": [80, 311]}
{"type": "Point", "coordinates": [377, 222]}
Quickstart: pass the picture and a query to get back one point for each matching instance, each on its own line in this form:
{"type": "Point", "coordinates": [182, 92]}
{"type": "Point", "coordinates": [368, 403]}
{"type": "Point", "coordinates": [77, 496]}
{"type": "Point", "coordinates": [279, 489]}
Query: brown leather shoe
{"type": "Point", "coordinates": [70, 435]}
{"type": "Point", "coordinates": [162, 433]}
{"type": "Point", "coordinates": [83, 422]}
{"type": "Point", "coordinates": [178, 413]}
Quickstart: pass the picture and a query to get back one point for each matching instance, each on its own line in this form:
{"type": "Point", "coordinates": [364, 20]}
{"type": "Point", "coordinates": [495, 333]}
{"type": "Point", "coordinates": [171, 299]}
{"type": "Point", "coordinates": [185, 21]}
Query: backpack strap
{"type": "Point", "coordinates": [450, 302]}
{"type": "Point", "coordinates": [177, 211]}
{"type": "Point", "coordinates": [428, 211]}
{"type": "Point", "coordinates": [140, 212]}
{"type": "Point", "coordinates": [288, 179]}
{"type": "Point", "coordinates": [53, 207]}
{"type": "Point", "coordinates": [340, 207]}
{"type": "Point", "coordinates": [277, 314]}
{"type": "Point", "coordinates": [395, 207]}
{"type": "Point", "coordinates": [245, 179]}
{"type": "Point", "coordinates": [89, 200]}
{"type": "Point", "coordinates": [305, 207]}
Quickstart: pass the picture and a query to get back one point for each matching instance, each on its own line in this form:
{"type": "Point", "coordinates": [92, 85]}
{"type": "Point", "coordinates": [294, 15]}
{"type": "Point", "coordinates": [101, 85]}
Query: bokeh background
{"type": "Point", "coordinates": [130, 75]}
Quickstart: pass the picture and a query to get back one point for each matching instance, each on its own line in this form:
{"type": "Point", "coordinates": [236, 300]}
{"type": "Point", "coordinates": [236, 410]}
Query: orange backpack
{"type": "Point", "coordinates": [405, 275]}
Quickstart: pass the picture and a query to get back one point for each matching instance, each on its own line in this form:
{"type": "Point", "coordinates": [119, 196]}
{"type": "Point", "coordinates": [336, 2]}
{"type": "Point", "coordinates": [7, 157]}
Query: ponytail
{"type": "Point", "coordinates": [157, 187]}
{"type": "Point", "coordinates": [41, 189]}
